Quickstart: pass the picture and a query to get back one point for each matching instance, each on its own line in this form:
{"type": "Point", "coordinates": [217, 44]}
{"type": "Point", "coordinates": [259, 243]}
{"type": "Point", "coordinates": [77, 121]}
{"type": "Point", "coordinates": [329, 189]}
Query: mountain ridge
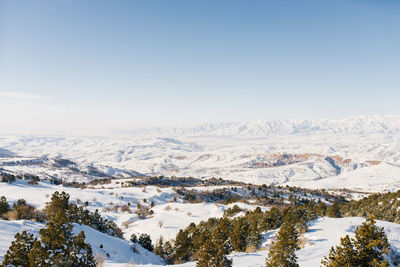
{"type": "Point", "coordinates": [352, 125]}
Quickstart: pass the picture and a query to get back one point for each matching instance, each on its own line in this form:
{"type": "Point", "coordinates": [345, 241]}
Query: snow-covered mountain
{"type": "Point", "coordinates": [361, 153]}
{"type": "Point", "coordinates": [350, 126]}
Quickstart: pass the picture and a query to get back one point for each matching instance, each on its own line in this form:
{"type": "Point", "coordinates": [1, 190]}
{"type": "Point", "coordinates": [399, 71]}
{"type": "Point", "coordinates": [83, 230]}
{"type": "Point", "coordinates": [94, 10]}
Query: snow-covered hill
{"type": "Point", "coordinates": [119, 251]}
{"type": "Point", "coordinates": [320, 237]}
{"type": "Point", "coordinates": [312, 153]}
{"type": "Point", "coordinates": [322, 234]}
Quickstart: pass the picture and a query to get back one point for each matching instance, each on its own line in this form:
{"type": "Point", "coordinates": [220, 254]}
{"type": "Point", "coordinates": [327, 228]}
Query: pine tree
{"type": "Point", "coordinates": [59, 203]}
{"type": "Point", "coordinates": [183, 247]}
{"type": "Point", "coordinates": [80, 252]}
{"type": "Point", "coordinates": [344, 255]}
{"type": "Point", "coordinates": [17, 253]}
{"type": "Point", "coordinates": [321, 209]}
{"type": "Point", "coordinates": [58, 246]}
{"type": "Point", "coordinates": [333, 210]}
{"type": "Point", "coordinates": [159, 247]}
{"type": "Point", "coordinates": [366, 249]}
{"type": "Point", "coordinates": [238, 236]}
{"type": "Point", "coordinates": [145, 242]}
{"type": "Point", "coordinates": [272, 219]}
{"type": "Point", "coordinates": [168, 251]}
{"type": "Point", "coordinates": [213, 252]}
{"type": "Point", "coordinates": [225, 227]}
{"type": "Point", "coordinates": [254, 236]}
{"type": "Point", "coordinates": [370, 242]}
{"type": "Point", "coordinates": [282, 252]}
{"type": "Point", "coordinates": [4, 206]}
{"type": "Point", "coordinates": [134, 238]}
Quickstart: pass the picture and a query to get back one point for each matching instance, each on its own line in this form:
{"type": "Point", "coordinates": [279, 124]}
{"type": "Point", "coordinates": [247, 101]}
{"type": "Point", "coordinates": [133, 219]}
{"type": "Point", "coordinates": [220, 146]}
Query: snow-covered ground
{"type": "Point", "coordinates": [171, 215]}
{"type": "Point", "coordinates": [119, 250]}
{"type": "Point", "coordinates": [321, 236]}
{"type": "Point", "coordinates": [323, 233]}
{"type": "Point", "coordinates": [360, 153]}
{"type": "Point", "coordinates": [312, 153]}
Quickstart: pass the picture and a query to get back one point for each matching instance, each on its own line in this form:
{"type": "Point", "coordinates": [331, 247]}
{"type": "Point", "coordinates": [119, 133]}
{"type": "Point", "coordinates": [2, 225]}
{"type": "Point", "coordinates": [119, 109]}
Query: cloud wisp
{"type": "Point", "coordinates": [21, 95]}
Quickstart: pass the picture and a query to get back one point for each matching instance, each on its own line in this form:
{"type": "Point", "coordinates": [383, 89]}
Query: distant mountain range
{"type": "Point", "coordinates": [360, 153]}
{"type": "Point", "coordinates": [349, 126]}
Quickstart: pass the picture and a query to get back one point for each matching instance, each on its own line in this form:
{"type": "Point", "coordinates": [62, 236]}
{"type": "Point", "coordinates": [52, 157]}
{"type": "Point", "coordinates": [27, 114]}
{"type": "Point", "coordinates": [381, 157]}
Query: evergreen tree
{"type": "Point", "coordinates": [81, 253]}
{"type": "Point", "coordinates": [238, 236]}
{"type": "Point", "coordinates": [213, 252]}
{"type": "Point", "coordinates": [370, 242]}
{"type": "Point", "coordinates": [225, 227]}
{"type": "Point", "coordinates": [59, 203]}
{"type": "Point", "coordinates": [159, 247]}
{"type": "Point", "coordinates": [343, 255]}
{"type": "Point", "coordinates": [254, 236]}
{"type": "Point", "coordinates": [4, 206]}
{"type": "Point", "coordinates": [168, 251]}
{"type": "Point", "coordinates": [58, 246]}
{"type": "Point", "coordinates": [333, 210]}
{"type": "Point", "coordinates": [272, 219]}
{"type": "Point", "coordinates": [282, 252]}
{"type": "Point", "coordinates": [17, 253]}
{"type": "Point", "coordinates": [182, 247]}
{"type": "Point", "coordinates": [321, 209]}
{"type": "Point", "coordinates": [134, 238]}
{"type": "Point", "coordinates": [366, 249]}
{"type": "Point", "coordinates": [145, 242]}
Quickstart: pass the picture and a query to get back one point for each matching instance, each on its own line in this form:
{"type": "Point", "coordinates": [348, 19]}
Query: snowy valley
{"type": "Point", "coordinates": [160, 181]}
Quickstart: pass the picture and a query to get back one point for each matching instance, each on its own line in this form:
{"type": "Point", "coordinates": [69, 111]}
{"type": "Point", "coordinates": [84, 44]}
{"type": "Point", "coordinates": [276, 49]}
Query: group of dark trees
{"type": "Point", "coordinates": [59, 203]}
{"type": "Point", "coordinates": [20, 211]}
{"type": "Point", "coordinates": [144, 240]}
{"type": "Point", "coordinates": [10, 178]}
{"type": "Point", "coordinates": [382, 206]}
{"type": "Point", "coordinates": [81, 215]}
{"type": "Point", "coordinates": [163, 181]}
{"type": "Point", "coordinates": [56, 244]}
{"type": "Point", "coordinates": [210, 241]}
{"type": "Point", "coordinates": [260, 195]}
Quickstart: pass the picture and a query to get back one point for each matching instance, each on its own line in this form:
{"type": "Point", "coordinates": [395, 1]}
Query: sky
{"type": "Point", "coordinates": [102, 65]}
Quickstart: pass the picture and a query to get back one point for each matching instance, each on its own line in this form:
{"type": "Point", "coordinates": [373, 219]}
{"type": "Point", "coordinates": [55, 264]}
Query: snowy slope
{"type": "Point", "coordinates": [173, 215]}
{"type": "Point", "coordinates": [120, 250]}
{"type": "Point", "coordinates": [312, 152]}
{"type": "Point", "coordinates": [322, 235]}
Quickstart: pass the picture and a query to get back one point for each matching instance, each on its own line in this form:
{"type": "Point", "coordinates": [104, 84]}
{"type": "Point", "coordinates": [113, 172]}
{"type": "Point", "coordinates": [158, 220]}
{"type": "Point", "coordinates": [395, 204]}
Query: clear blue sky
{"type": "Point", "coordinates": [128, 64]}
